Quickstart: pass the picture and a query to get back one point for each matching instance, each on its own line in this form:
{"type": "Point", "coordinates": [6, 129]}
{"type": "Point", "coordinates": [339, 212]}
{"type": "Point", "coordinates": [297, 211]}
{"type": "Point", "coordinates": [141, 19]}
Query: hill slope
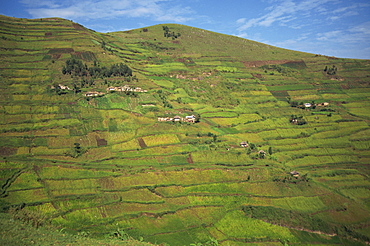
{"type": "Point", "coordinates": [98, 135]}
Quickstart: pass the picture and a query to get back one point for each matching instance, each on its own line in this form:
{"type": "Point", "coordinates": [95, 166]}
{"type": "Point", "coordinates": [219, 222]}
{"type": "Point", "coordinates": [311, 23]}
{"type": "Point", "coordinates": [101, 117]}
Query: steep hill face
{"type": "Point", "coordinates": [178, 135]}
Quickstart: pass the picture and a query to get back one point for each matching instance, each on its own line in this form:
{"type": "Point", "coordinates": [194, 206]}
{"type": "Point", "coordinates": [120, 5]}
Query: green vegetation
{"type": "Point", "coordinates": [168, 34]}
{"type": "Point", "coordinates": [77, 68]}
{"type": "Point", "coordinates": [277, 155]}
{"type": "Point", "coordinates": [17, 228]}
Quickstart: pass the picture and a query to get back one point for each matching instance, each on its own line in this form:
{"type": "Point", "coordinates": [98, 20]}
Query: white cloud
{"type": "Point", "coordinates": [161, 10]}
{"type": "Point", "coordinates": [241, 20]}
{"type": "Point", "coordinates": [177, 14]}
{"type": "Point", "coordinates": [46, 3]}
{"type": "Point", "coordinates": [286, 11]}
{"type": "Point", "coordinates": [350, 8]}
{"type": "Point", "coordinates": [363, 28]}
{"type": "Point", "coordinates": [355, 34]}
{"type": "Point", "coordinates": [329, 35]}
{"type": "Point", "coordinates": [331, 26]}
{"type": "Point", "coordinates": [342, 15]}
{"type": "Point", "coordinates": [241, 35]}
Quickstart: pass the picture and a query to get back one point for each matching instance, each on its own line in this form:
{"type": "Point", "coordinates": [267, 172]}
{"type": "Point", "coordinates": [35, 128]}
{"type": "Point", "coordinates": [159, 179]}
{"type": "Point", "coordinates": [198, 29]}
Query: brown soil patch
{"type": "Point", "coordinates": [7, 151]}
{"type": "Point", "coordinates": [77, 26]}
{"type": "Point", "coordinates": [345, 86]}
{"type": "Point", "coordinates": [142, 143]}
{"type": "Point", "coordinates": [101, 142]}
{"type": "Point", "coordinates": [106, 183]}
{"type": "Point", "coordinates": [86, 55]}
{"type": "Point", "coordinates": [60, 50]}
{"type": "Point", "coordinates": [270, 62]}
{"type": "Point", "coordinates": [257, 75]}
{"type": "Point", "coordinates": [56, 56]}
{"type": "Point", "coordinates": [190, 159]}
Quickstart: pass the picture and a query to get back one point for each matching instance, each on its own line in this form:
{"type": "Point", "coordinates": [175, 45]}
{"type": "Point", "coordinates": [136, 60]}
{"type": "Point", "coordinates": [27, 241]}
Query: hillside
{"type": "Point", "coordinates": [176, 135]}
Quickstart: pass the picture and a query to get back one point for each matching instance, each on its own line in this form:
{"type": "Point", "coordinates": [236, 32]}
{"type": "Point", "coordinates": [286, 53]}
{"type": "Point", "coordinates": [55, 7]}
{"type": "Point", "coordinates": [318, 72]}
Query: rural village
{"type": "Point", "coordinates": [177, 136]}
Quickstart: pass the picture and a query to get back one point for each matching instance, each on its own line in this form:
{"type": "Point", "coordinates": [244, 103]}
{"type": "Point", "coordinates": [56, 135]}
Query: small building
{"type": "Point", "coordinates": [244, 144]}
{"type": "Point", "coordinates": [164, 119]}
{"type": "Point", "coordinates": [190, 118]}
{"type": "Point", "coordinates": [307, 105]}
{"type": "Point", "coordinates": [324, 104]}
{"type": "Point", "coordinates": [293, 121]}
{"type": "Point", "coordinates": [177, 118]}
{"type": "Point", "coordinates": [294, 173]}
{"type": "Point", "coordinates": [93, 94]}
{"type": "Point", "coordinates": [64, 87]}
{"type": "Point", "coordinates": [125, 88]}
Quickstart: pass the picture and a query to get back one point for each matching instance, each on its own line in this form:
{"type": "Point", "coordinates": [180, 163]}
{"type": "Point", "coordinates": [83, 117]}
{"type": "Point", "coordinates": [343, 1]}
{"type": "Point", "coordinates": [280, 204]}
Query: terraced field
{"type": "Point", "coordinates": [97, 164]}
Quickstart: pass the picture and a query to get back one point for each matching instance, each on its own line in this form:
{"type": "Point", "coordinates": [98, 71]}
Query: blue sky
{"type": "Point", "coordinates": [338, 28]}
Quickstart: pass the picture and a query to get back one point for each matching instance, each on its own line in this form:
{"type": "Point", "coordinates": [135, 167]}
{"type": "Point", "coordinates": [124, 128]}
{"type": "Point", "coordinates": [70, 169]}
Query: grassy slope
{"type": "Point", "coordinates": [184, 183]}
{"type": "Point", "coordinates": [15, 232]}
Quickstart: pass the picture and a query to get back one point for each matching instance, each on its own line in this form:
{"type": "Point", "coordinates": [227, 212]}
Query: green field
{"type": "Point", "coordinates": [106, 167]}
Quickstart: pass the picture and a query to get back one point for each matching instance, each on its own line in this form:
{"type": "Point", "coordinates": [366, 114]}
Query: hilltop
{"type": "Point", "coordinates": [177, 135]}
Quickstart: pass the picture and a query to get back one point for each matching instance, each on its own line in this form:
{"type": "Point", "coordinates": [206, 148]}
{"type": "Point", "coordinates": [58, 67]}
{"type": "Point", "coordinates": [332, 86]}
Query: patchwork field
{"type": "Point", "coordinates": [278, 152]}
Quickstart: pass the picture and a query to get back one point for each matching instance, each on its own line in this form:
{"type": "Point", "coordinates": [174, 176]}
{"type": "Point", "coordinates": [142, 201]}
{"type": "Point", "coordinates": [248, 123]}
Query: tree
{"type": "Point", "coordinates": [270, 150]}
{"type": "Point", "coordinates": [76, 89]}
{"type": "Point", "coordinates": [261, 154]}
{"type": "Point", "coordinates": [252, 146]}
{"type": "Point", "coordinates": [331, 71]}
{"type": "Point", "coordinates": [76, 151]}
{"type": "Point", "coordinates": [293, 103]}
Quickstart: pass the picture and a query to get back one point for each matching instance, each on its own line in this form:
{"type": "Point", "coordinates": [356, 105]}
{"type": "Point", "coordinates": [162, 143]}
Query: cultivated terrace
{"type": "Point", "coordinates": [266, 146]}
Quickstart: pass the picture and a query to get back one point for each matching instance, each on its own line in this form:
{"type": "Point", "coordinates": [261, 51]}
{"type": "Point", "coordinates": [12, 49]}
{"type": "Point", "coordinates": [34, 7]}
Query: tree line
{"type": "Point", "coordinates": [78, 68]}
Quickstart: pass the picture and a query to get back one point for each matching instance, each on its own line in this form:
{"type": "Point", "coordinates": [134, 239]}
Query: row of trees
{"type": "Point", "coordinates": [168, 34]}
{"type": "Point", "coordinates": [78, 68]}
{"type": "Point", "coordinates": [331, 70]}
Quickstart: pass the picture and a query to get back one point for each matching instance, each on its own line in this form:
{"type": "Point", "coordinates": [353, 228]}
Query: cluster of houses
{"type": "Point", "coordinates": [324, 104]}
{"type": "Point", "coordinates": [125, 88]}
{"type": "Point", "coordinates": [116, 88]}
{"type": "Point", "coordinates": [190, 119]}
{"type": "Point", "coordinates": [93, 94]}
{"type": "Point", "coordinates": [62, 87]}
